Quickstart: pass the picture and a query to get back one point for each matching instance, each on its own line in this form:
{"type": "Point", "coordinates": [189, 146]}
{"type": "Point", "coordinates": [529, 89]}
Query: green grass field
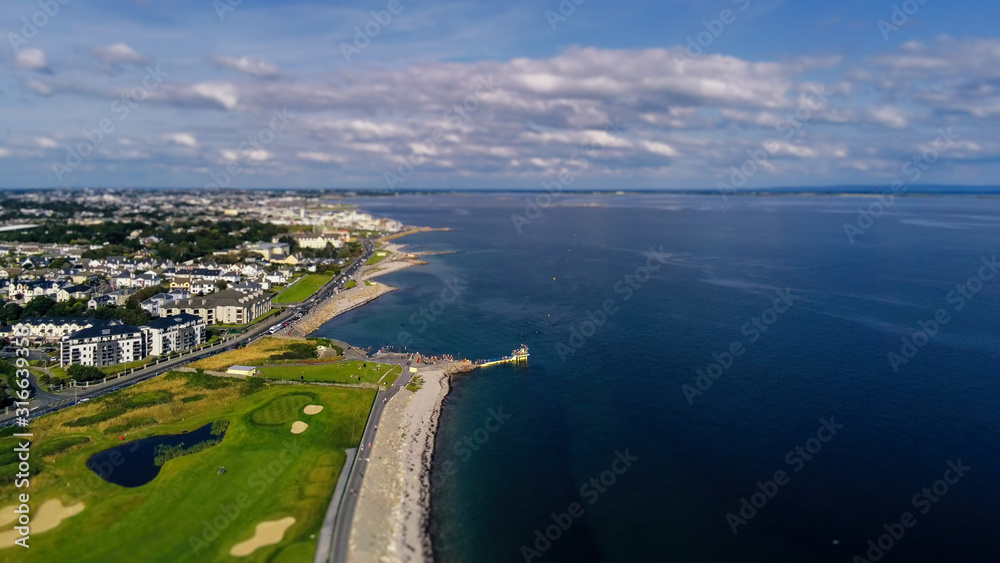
{"type": "Point", "coordinates": [190, 507]}
{"type": "Point", "coordinates": [377, 257]}
{"type": "Point", "coordinates": [350, 284]}
{"type": "Point", "coordinates": [302, 289]}
{"type": "Point", "coordinates": [341, 372]}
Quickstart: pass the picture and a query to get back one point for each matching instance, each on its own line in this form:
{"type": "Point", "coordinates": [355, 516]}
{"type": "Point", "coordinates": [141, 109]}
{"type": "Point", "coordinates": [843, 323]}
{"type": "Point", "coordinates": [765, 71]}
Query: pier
{"type": "Point", "coordinates": [515, 357]}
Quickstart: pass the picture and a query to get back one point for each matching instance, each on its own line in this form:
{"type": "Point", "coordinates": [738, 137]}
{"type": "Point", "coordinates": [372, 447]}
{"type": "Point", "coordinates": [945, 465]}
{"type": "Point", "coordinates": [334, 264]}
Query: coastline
{"type": "Point", "coordinates": [392, 515]}
{"type": "Point", "coordinates": [392, 518]}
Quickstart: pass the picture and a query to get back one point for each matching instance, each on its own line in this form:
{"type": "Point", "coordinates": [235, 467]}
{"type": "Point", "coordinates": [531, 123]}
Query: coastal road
{"type": "Point", "coordinates": [45, 402]}
{"type": "Point", "coordinates": [341, 524]}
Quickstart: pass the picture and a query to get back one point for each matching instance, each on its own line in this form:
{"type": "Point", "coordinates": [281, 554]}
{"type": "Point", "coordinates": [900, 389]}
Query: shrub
{"type": "Point", "coordinates": [78, 372]}
{"type": "Point", "coordinates": [140, 422]}
{"type": "Point", "coordinates": [106, 414]}
{"type": "Point", "coordinates": [251, 385]}
{"type": "Point", "coordinates": [193, 398]}
{"type": "Point", "coordinates": [219, 427]}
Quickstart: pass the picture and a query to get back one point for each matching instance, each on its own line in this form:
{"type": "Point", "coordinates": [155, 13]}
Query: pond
{"type": "Point", "coordinates": [132, 464]}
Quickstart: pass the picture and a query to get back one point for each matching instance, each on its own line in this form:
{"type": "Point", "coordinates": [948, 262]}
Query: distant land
{"type": "Point", "coordinates": [924, 189]}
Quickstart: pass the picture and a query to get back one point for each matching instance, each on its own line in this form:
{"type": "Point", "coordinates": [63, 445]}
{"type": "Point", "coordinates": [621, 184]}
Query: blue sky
{"type": "Point", "coordinates": [734, 93]}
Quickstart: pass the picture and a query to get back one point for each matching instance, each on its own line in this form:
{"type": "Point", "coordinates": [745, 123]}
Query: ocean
{"type": "Point", "coordinates": [761, 378]}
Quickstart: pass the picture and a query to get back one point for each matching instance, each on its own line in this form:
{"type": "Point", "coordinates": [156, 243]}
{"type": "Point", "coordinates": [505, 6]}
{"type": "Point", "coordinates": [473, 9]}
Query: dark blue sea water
{"type": "Point", "coordinates": [591, 392]}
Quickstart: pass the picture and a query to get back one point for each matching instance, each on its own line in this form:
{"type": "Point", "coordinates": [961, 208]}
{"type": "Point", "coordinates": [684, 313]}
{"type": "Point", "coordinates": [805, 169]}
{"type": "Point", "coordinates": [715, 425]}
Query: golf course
{"type": "Point", "coordinates": [257, 491]}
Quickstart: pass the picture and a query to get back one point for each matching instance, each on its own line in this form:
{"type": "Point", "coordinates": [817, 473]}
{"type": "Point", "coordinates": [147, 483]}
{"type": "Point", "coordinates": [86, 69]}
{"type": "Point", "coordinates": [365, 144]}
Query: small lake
{"type": "Point", "coordinates": [132, 463]}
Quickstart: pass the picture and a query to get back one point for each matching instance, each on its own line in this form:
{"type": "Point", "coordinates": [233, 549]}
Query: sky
{"type": "Point", "coordinates": [547, 94]}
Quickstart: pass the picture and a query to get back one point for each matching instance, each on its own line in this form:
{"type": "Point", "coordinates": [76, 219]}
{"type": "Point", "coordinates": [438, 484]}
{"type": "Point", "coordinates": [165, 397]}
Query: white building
{"type": "Point", "coordinates": [177, 332]}
{"type": "Point", "coordinates": [51, 328]}
{"type": "Point", "coordinates": [102, 346]}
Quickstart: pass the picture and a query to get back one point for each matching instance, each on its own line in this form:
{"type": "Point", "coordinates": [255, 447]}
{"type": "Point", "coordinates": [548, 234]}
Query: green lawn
{"type": "Point", "coordinates": [302, 289]}
{"type": "Point", "coordinates": [340, 372]}
{"type": "Point", "coordinates": [270, 474]}
{"type": "Point", "coordinates": [378, 257]}
{"type": "Point", "coordinates": [350, 284]}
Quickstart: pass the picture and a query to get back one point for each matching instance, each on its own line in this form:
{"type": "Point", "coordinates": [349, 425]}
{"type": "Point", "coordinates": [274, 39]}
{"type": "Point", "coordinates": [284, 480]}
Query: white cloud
{"type": "Point", "coordinates": [31, 59]}
{"type": "Point", "coordinates": [222, 92]}
{"type": "Point", "coordinates": [4, 152]}
{"type": "Point", "coordinates": [185, 139]}
{"type": "Point", "coordinates": [46, 143]}
{"type": "Point", "coordinates": [247, 65]}
{"type": "Point", "coordinates": [119, 53]}
{"type": "Point", "coordinates": [38, 87]}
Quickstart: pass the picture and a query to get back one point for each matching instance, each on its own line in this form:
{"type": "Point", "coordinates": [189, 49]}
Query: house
{"type": "Point", "coordinates": [176, 294]}
{"type": "Point", "coordinates": [242, 371]}
{"type": "Point", "coordinates": [247, 287]}
{"type": "Point", "coordinates": [174, 333]}
{"type": "Point", "coordinates": [102, 346]}
{"type": "Point", "coordinates": [73, 291]}
{"type": "Point", "coordinates": [153, 304]}
{"type": "Point", "coordinates": [231, 277]}
{"type": "Point", "coordinates": [181, 282]}
{"type": "Point", "coordinates": [101, 301]}
{"type": "Point", "coordinates": [276, 278]}
{"type": "Point", "coordinates": [223, 307]}
{"type": "Point", "coordinates": [123, 280]}
{"type": "Point", "coordinates": [51, 329]}
{"type": "Point", "coordinates": [146, 279]}
{"type": "Point", "coordinates": [202, 287]}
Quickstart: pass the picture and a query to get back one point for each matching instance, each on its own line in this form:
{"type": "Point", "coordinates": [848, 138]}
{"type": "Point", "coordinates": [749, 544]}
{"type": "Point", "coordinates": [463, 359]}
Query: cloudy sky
{"type": "Point", "coordinates": [442, 94]}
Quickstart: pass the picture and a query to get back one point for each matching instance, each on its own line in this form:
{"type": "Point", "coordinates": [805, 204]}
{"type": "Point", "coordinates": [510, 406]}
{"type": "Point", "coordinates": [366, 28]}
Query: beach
{"type": "Point", "coordinates": [392, 516]}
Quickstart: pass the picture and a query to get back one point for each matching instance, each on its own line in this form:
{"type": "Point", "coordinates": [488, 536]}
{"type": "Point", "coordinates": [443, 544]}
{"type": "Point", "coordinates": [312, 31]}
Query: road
{"type": "Point", "coordinates": [341, 524]}
{"type": "Point", "coordinates": [45, 402]}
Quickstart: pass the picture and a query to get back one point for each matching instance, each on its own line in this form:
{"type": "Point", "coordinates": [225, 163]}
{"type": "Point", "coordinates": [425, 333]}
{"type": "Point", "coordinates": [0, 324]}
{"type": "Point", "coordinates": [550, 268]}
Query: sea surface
{"type": "Point", "coordinates": [623, 300]}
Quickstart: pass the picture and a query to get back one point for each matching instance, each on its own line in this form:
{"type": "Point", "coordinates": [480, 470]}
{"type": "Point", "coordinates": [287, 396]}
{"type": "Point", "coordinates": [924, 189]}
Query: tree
{"type": "Point", "coordinates": [79, 372]}
{"type": "Point", "coordinates": [38, 307]}
{"type": "Point", "coordinates": [221, 285]}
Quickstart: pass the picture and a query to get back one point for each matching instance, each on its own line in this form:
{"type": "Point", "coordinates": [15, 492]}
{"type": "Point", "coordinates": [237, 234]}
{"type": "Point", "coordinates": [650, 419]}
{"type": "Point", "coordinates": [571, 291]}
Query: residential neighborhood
{"type": "Point", "coordinates": [122, 278]}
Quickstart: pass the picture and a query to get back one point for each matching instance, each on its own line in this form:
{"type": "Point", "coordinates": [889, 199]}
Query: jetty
{"type": "Point", "coordinates": [517, 356]}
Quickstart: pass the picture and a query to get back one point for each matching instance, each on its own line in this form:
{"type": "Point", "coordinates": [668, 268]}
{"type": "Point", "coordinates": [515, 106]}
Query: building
{"type": "Point", "coordinates": [51, 329]}
{"type": "Point", "coordinates": [270, 250]}
{"type": "Point", "coordinates": [73, 291]}
{"type": "Point", "coordinates": [154, 303]}
{"type": "Point", "coordinates": [177, 332]}
{"type": "Point", "coordinates": [101, 346]}
{"type": "Point", "coordinates": [318, 240]}
{"type": "Point", "coordinates": [243, 371]}
{"type": "Point", "coordinates": [223, 307]}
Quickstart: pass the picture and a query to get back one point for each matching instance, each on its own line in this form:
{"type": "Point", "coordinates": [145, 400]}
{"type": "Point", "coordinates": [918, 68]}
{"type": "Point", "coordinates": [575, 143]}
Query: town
{"type": "Point", "coordinates": [101, 281]}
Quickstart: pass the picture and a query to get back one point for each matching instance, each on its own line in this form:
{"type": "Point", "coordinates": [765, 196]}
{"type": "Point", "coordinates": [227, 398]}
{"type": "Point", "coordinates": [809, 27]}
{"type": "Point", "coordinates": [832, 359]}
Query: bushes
{"type": "Point", "coordinates": [141, 422]}
{"type": "Point", "coordinates": [106, 414]}
{"type": "Point", "coordinates": [78, 372]}
{"type": "Point", "coordinates": [193, 398]}
{"type": "Point", "coordinates": [251, 385]}
{"type": "Point", "coordinates": [164, 453]}
{"type": "Point", "coordinates": [297, 351]}
{"type": "Point", "coordinates": [219, 427]}
{"type": "Point", "coordinates": [143, 400]}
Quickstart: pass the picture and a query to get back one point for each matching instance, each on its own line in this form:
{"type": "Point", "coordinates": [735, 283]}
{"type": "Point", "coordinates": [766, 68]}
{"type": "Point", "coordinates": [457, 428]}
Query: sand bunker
{"type": "Point", "coordinates": [268, 532]}
{"type": "Point", "coordinates": [312, 409]}
{"type": "Point", "coordinates": [46, 517]}
{"type": "Point", "coordinates": [299, 427]}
